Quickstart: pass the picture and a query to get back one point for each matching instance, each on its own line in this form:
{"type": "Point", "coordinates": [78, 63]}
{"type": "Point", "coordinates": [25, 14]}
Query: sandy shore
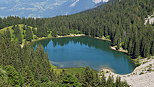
{"type": "Point", "coordinates": [113, 47]}
{"type": "Point", "coordinates": [120, 50]}
{"type": "Point", "coordinates": [103, 38]}
{"type": "Point", "coordinates": [71, 35]}
{"type": "Point", "coordinates": [142, 76]}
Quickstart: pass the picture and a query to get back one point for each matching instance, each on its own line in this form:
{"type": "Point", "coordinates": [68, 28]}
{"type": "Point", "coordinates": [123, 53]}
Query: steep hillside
{"type": "Point", "coordinates": [44, 8]}
{"type": "Point", "coordinates": [20, 33]}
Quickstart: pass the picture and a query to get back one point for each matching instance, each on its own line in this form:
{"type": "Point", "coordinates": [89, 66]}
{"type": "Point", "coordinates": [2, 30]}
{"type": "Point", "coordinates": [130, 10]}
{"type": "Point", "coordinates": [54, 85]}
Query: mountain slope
{"type": "Point", "coordinates": [44, 8]}
{"type": "Point", "coordinates": [75, 6]}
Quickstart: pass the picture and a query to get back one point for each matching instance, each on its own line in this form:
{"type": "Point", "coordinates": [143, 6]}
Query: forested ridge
{"type": "Point", "coordinates": [122, 21]}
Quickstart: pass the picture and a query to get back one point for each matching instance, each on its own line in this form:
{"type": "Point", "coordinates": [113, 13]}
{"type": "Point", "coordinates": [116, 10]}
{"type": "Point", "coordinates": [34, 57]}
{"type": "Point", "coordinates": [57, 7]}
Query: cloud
{"type": "Point", "coordinates": [2, 8]}
{"type": "Point", "coordinates": [56, 4]}
{"type": "Point", "coordinates": [31, 9]}
{"type": "Point", "coordinates": [98, 1]}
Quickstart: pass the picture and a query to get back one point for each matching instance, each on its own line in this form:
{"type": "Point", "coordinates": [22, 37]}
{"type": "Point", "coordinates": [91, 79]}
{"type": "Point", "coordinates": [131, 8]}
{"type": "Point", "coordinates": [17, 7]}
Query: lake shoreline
{"type": "Point", "coordinates": [142, 76]}
{"type": "Point", "coordinates": [79, 35]}
{"type": "Point", "coordinates": [43, 38]}
{"type": "Point", "coordinates": [128, 77]}
{"type": "Point", "coordinates": [71, 35]}
{"type": "Point", "coordinates": [113, 47]}
{"type": "Point", "coordinates": [94, 41]}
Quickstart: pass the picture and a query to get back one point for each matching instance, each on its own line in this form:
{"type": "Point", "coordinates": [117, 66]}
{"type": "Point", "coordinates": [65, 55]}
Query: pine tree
{"type": "Point", "coordinates": [8, 34]}
{"type": "Point", "coordinates": [29, 34]}
{"type": "Point", "coordinates": [28, 77]}
{"type": "Point", "coordinates": [13, 76]}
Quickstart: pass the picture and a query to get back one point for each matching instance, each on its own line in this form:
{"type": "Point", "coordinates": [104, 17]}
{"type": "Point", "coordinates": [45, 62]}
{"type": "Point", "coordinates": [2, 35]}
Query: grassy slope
{"type": "Point", "coordinates": [12, 31]}
{"type": "Point", "coordinates": [72, 71]}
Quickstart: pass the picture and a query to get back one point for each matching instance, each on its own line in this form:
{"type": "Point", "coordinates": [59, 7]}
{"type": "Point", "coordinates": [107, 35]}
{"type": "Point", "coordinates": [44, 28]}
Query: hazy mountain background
{"type": "Point", "coordinates": [45, 8]}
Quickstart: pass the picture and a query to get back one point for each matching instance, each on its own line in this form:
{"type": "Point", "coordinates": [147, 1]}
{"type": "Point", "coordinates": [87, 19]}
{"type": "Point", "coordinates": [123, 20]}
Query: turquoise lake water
{"type": "Point", "coordinates": [85, 51]}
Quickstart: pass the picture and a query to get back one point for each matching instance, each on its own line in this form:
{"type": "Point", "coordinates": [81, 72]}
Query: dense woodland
{"type": "Point", "coordinates": [122, 21]}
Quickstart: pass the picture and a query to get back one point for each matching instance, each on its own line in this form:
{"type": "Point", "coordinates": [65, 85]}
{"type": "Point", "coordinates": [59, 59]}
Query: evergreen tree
{"type": "Point", "coordinates": [28, 77]}
{"type": "Point", "coordinates": [13, 76]}
{"type": "Point", "coordinates": [29, 34]}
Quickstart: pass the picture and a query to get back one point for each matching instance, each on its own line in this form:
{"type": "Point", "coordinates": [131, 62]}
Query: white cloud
{"type": "Point", "coordinates": [98, 1]}
{"type": "Point", "coordinates": [31, 9]}
{"type": "Point", "coordinates": [56, 4]}
{"type": "Point", "coordinates": [2, 8]}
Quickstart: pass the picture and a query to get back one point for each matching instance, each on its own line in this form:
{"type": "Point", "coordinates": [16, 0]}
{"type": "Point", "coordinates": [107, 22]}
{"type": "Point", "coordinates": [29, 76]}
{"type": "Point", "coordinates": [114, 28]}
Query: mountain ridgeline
{"type": "Point", "coordinates": [45, 8]}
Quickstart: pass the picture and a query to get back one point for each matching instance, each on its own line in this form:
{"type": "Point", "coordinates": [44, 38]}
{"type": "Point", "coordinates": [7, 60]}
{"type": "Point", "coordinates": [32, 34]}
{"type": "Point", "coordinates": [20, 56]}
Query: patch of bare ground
{"type": "Point", "coordinates": [142, 76]}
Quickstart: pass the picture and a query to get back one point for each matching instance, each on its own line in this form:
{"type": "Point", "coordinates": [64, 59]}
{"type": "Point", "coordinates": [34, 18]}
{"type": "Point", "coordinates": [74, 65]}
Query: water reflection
{"type": "Point", "coordinates": [85, 51]}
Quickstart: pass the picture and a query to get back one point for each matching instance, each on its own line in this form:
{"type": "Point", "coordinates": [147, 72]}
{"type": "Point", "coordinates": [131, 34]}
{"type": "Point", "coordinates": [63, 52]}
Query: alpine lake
{"type": "Point", "coordinates": [69, 52]}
